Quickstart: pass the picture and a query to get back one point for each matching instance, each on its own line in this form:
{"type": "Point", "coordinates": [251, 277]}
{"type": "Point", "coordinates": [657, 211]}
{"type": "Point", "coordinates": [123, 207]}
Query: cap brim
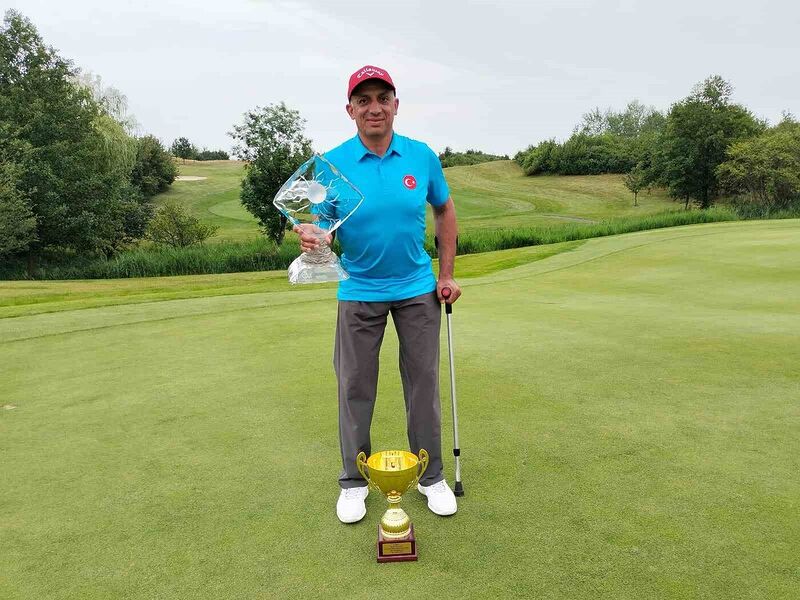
{"type": "Point", "coordinates": [360, 83]}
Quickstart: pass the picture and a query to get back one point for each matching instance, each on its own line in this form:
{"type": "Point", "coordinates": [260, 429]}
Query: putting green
{"type": "Point", "coordinates": [629, 411]}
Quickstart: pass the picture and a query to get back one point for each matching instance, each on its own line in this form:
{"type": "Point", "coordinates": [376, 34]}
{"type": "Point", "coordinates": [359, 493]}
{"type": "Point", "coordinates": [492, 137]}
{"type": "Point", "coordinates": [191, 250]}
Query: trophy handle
{"type": "Point", "coordinates": [361, 463]}
{"type": "Point", "coordinates": [421, 466]}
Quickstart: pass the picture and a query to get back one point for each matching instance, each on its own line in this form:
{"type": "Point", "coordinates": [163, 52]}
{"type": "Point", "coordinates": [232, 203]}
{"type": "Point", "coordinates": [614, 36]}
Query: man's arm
{"type": "Point", "coordinates": [444, 217]}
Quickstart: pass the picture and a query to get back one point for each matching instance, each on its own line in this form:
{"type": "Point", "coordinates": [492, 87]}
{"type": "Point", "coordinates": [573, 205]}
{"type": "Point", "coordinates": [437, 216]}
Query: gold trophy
{"type": "Point", "coordinates": [393, 473]}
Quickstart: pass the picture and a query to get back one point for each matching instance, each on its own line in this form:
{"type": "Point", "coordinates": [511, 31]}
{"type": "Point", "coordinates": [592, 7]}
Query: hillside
{"type": "Point", "coordinates": [487, 196]}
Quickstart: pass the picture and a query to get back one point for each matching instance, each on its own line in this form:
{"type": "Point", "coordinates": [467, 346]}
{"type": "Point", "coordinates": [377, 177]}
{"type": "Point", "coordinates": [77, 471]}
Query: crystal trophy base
{"type": "Point", "coordinates": [317, 266]}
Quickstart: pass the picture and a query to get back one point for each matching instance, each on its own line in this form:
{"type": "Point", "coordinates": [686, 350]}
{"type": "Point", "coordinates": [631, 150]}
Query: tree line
{"type": "Point", "coordinates": [703, 147]}
{"type": "Point", "coordinates": [75, 177]}
{"type": "Point", "coordinates": [72, 177]}
{"type": "Point", "coordinates": [448, 158]}
{"type": "Point", "coordinates": [183, 148]}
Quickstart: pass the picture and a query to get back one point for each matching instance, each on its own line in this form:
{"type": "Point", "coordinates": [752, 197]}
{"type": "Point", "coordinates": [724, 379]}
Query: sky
{"type": "Point", "coordinates": [495, 76]}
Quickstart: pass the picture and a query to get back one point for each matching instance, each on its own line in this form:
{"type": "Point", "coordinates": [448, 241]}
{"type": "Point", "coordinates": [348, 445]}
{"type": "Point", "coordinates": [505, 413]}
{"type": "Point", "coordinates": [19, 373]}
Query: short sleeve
{"type": "Point", "coordinates": [438, 191]}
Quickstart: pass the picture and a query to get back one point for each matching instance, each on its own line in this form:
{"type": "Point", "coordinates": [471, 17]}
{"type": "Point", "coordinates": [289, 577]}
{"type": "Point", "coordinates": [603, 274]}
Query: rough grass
{"type": "Point", "coordinates": [629, 417]}
{"type": "Point", "coordinates": [261, 255]}
{"type": "Point", "coordinates": [487, 240]}
{"type": "Point", "coordinates": [256, 254]}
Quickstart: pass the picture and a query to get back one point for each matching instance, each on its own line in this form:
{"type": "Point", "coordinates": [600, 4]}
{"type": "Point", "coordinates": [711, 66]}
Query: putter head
{"type": "Point", "coordinates": [458, 490]}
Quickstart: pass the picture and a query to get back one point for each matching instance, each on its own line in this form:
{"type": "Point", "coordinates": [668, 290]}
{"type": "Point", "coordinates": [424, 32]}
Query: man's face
{"type": "Point", "coordinates": [373, 106]}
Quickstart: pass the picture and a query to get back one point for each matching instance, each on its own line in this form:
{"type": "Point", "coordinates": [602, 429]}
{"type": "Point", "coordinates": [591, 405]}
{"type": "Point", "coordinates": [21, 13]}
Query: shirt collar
{"type": "Point", "coordinates": [396, 146]}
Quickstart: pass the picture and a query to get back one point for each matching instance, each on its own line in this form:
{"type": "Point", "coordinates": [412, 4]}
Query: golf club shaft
{"type": "Point", "coordinates": [459, 489]}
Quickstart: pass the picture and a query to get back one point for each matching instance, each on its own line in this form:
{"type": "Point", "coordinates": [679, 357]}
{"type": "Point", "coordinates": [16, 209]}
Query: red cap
{"type": "Point", "coordinates": [368, 72]}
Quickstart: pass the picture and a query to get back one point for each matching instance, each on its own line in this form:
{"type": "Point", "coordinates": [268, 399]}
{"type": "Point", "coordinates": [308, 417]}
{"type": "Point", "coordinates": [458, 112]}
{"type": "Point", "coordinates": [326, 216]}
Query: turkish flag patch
{"type": "Point", "coordinates": [410, 182]}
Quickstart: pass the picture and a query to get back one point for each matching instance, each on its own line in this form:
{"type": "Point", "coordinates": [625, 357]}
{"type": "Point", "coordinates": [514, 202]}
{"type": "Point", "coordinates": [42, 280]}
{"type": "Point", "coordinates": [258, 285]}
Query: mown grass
{"type": "Point", "coordinates": [215, 199]}
{"type": "Point", "coordinates": [499, 194]}
{"type": "Point", "coordinates": [629, 418]}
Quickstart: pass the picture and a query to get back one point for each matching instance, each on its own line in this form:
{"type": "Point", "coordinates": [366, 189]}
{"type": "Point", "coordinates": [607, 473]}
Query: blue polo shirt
{"type": "Point", "coordinates": [383, 241]}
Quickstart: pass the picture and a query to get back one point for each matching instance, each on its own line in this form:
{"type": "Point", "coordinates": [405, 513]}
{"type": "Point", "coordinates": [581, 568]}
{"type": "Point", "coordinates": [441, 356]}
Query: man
{"type": "Point", "coordinates": [390, 272]}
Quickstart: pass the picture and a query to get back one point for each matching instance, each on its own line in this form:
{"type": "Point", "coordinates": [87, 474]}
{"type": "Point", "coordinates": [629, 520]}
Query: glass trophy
{"type": "Point", "coordinates": [319, 195]}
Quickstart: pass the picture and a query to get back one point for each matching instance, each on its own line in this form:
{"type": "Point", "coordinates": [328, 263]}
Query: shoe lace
{"type": "Point", "coordinates": [440, 487]}
{"type": "Point", "coordinates": [352, 493]}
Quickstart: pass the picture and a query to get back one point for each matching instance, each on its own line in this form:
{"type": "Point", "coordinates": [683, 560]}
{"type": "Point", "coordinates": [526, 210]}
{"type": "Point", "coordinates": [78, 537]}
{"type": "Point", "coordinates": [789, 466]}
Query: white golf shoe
{"type": "Point", "coordinates": [441, 499]}
{"type": "Point", "coordinates": [350, 508]}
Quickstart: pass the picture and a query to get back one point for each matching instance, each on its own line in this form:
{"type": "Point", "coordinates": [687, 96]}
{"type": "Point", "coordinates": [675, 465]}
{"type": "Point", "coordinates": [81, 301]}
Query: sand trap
{"type": "Point", "coordinates": [189, 178]}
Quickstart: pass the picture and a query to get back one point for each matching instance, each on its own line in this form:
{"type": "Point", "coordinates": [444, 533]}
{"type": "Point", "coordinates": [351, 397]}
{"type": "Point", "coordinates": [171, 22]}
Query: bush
{"type": "Point", "coordinates": [581, 154]}
{"type": "Point", "coordinates": [764, 172]}
{"type": "Point", "coordinates": [173, 226]}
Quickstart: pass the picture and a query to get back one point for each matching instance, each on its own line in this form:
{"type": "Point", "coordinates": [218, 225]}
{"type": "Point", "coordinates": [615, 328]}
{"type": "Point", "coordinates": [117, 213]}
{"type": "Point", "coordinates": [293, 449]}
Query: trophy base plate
{"type": "Point", "coordinates": [308, 270]}
{"type": "Point", "coordinates": [395, 550]}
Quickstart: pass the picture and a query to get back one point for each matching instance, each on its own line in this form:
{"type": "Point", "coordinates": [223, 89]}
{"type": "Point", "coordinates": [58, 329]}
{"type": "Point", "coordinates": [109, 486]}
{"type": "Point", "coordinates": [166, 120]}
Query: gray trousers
{"type": "Point", "coordinates": [359, 333]}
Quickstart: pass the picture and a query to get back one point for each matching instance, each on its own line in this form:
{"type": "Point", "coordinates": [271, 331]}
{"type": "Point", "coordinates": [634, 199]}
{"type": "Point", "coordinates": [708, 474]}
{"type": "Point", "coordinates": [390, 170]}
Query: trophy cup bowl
{"type": "Point", "coordinates": [317, 194]}
{"type": "Point", "coordinates": [393, 473]}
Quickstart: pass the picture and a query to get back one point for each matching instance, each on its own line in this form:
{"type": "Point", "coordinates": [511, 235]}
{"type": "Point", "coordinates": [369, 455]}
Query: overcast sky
{"type": "Point", "coordinates": [495, 76]}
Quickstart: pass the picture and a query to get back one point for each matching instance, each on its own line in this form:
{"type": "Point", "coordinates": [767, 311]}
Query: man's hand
{"type": "Point", "coordinates": [448, 282]}
{"type": "Point", "coordinates": [310, 236]}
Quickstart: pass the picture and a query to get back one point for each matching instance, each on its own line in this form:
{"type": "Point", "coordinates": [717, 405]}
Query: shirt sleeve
{"type": "Point", "coordinates": [438, 192]}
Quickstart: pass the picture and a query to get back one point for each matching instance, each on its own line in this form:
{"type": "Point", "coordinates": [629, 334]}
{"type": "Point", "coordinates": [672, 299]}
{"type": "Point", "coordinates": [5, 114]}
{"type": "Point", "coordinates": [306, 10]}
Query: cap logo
{"type": "Point", "coordinates": [410, 182]}
{"type": "Point", "coordinates": [371, 72]}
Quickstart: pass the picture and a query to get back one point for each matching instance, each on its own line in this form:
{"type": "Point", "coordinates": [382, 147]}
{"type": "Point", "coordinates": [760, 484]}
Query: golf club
{"type": "Point", "coordinates": [448, 309]}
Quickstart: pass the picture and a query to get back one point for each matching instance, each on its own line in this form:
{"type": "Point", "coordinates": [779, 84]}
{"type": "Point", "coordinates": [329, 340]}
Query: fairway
{"type": "Point", "coordinates": [488, 196]}
{"type": "Point", "coordinates": [629, 413]}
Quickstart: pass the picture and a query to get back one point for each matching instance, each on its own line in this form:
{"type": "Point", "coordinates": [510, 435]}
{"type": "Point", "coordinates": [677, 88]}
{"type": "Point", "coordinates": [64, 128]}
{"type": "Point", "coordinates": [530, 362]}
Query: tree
{"type": "Point", "coordinates": [698, 132]}
{"type": "Point", "coordinates": [67, 151]}
{"type": "Point", "coordinates": [765, 170]}
{"type": "Point", "coordinates": [273, 142]}
{"type": "Point", "coordinates": [173, 226]}
{"type": "Point", "coordinates": [604, 142]}
{"type": "Point", "coordinates": [117, 150]}
{"type": "Point", "coordinates": [635, 180]}
{"type": "Point", "coordinates": [635, 120]}
{"type": "Point", "coordinates": [183, 148]}
{"type": "Point", "coordinates": [113, 102]}
{"type": "Point", "coordinates": [17, 221]}
{"type": "Point", "coordinates": [154, 170]}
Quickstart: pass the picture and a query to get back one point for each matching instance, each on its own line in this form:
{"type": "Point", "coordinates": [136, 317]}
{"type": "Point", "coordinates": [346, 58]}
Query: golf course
{"type": "Point", "coordinates": [629, 416]}
{"type": "Point", "coordinates": [491, 195]}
